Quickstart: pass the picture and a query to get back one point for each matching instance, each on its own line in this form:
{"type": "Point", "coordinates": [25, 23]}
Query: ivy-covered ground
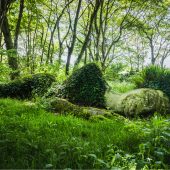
{"type": "Point", "coordinates": [33, 138]}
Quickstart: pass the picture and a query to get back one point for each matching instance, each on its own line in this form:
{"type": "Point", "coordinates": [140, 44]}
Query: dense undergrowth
{"type": "Point", "coordinates": [33, 138]}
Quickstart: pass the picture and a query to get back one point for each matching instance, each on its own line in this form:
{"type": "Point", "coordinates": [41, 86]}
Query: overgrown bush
{"type": "Point", "coordinates": [27, 87]}
{"type": "Point", "coordinates": [86, 86]}
{"type": "Point", "coordinates": [156, 78]}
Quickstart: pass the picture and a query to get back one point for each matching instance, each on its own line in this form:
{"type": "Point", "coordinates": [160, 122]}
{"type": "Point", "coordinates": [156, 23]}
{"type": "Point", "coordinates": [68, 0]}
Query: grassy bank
{"type": "Point", "coordinates": [32, 138]}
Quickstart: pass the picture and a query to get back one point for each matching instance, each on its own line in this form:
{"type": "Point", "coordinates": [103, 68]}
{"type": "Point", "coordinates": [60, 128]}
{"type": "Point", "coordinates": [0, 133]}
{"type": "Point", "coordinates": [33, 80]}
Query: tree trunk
{"type": "Point", "coordinates": [71, 48]}
{"type": "Point", "coordinates": [54, 28]}
{"type": "Point", "coordinates": [152, 51]}
{"type": "Point", "coordinates": [11, 49]}
{"type": "Point", "coordinates": [86, 41]}
{"type": "Point", "coordinates": [17, 30]}
{"type": "Point", "coordinates": [12, 54]}
{"type": "Point", "coordinates": [1, 45]}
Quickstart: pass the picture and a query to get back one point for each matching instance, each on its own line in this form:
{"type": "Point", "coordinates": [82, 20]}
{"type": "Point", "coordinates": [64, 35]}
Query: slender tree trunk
{"type": "Point", "coordinates": [162, 62]}
{"type": "Point", "coordinates": [54, 28]}
{"type": "Point", "coordinates": [29, 47]}
{"type": "Point", "coordinates": [71, 48]}
{"type": "Point", "coordinates": [152, 51]}
{"type": "Point", "coordinates": [85, 58]}
{"type": "Point", "coordinates": [17, 30]}
{"type": "Point", "coordinates": [1, 45]}
{"type": "Point", "coordinates": [98, 30]}
{"type": "Point", "coordinates": [87, 38]}
{"type": "Point", "coordinates": [34, 38]}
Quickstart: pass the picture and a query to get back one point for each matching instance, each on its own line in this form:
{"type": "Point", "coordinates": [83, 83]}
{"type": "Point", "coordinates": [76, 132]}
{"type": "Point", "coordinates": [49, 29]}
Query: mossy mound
{"type": "Point", "coordinates": [86, 86]}
{"type": "Point", "coordinates": [139, 102]}
{"type": "Point", "coordinates": [63, 107]}
{"type": "Point", "coordinates": [27, 87]}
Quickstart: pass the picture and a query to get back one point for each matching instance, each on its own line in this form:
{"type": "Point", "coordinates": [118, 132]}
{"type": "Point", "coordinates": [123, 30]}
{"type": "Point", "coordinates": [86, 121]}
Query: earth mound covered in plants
{"type": "Point", "coordinates": [27, 87]}
{"type": "Point", "coordinates": [86, 86]}
{"type": "Point", "coordinates": [139, 102]}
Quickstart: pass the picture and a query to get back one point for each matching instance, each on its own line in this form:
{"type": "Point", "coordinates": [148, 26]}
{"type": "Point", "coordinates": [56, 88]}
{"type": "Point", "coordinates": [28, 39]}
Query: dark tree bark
{"type": "Point", "coordinates": [5, 28]}
{"type": "Point", "coordinates": [12, 57]}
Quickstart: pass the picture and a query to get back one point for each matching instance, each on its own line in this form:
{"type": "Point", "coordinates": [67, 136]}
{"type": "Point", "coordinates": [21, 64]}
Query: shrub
{"type": "Point", "coordinates": [86, 86]}
{"type": "Point", "coordinates": [56, 90]}
{"type": "Point", "coordinates": [27, 87]}
{"type": "Point", "coordinates": [41, 82]}
{"type": "Point", "coordinates": [113, 71]}
{"type": "Point", "coordinates": [136, 79]}
{"type": "Point", "coordinates": [153, 75]}
{"type": "Point", "coordinates": [156, 78]}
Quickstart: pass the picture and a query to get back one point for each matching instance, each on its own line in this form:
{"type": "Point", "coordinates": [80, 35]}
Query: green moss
{"type": "Point", "coordinates": [64, 107]}
{"type": "Point", "coordinates": [97, 118]}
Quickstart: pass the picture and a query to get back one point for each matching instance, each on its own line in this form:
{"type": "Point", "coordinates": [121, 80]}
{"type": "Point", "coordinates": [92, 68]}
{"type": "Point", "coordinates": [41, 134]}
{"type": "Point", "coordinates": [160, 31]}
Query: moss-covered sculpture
{"type": "Point", "coordinates": [139, 102]}
{"type": "Point", "coordinates": [86, 86]}
{"type": "Point", "coordinates": [64, 107]}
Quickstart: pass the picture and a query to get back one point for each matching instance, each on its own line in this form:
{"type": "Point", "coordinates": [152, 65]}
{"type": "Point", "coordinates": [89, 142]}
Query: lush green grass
{"type": "Point", "coordinates": [33, 138]}
{"type": "Point", "coordinates": [121, 87]}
